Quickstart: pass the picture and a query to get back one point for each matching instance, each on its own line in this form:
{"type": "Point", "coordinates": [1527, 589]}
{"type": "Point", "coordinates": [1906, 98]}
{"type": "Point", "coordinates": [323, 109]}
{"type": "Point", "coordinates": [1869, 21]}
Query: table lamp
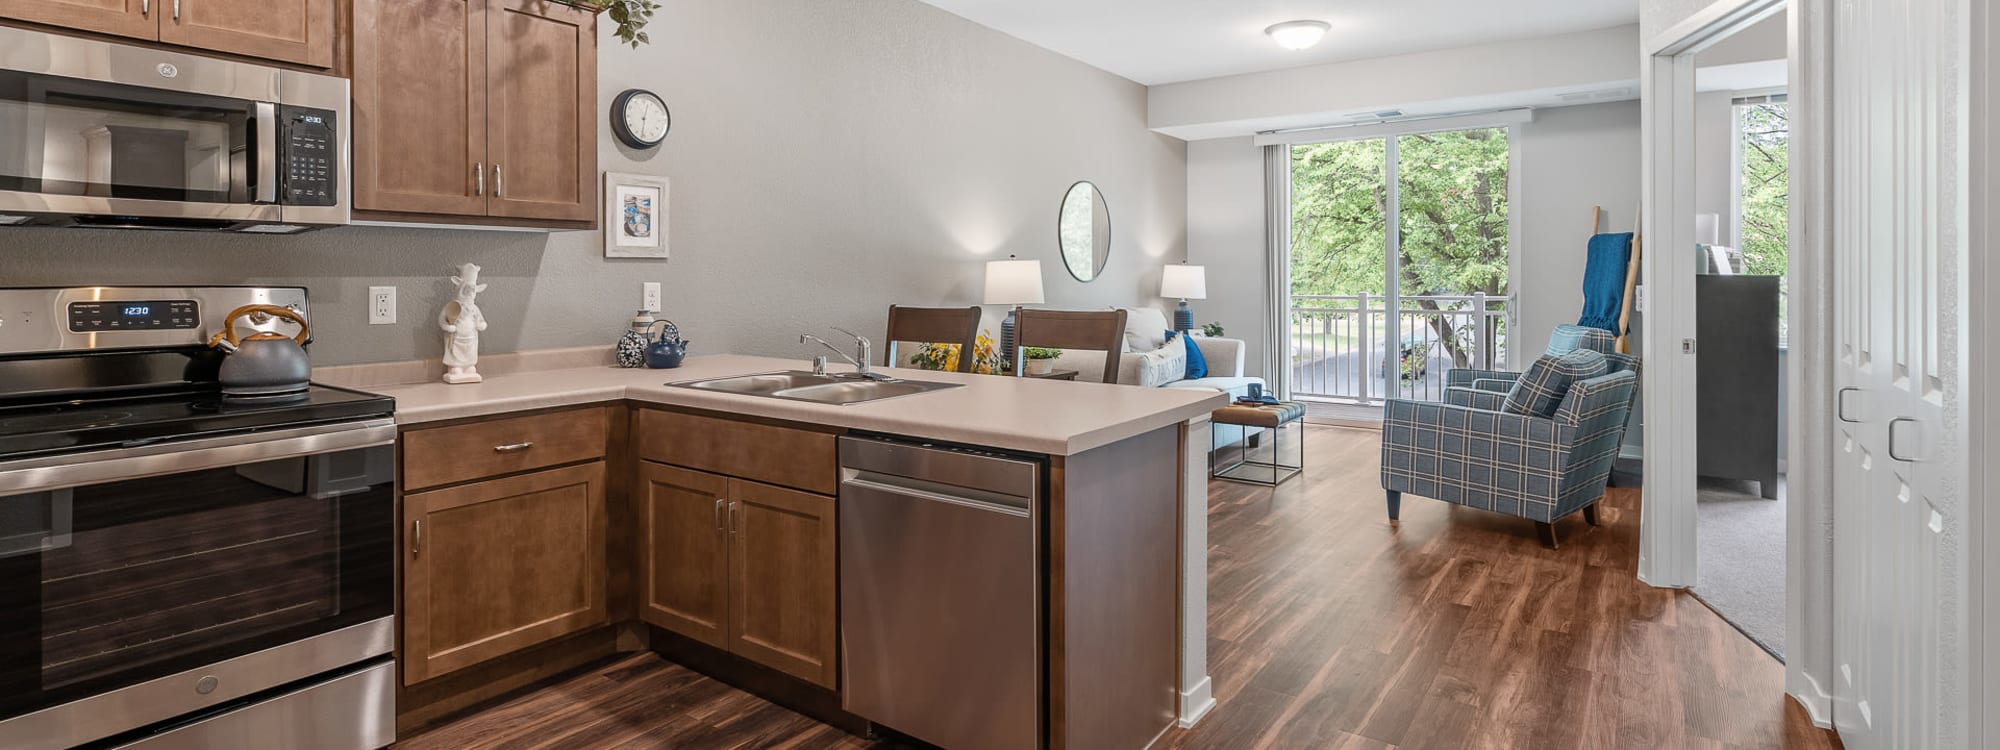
{"type": "Point", "coordinates": [1012, 282]}
{"type": "Point", "coordinates": [1184, 282]}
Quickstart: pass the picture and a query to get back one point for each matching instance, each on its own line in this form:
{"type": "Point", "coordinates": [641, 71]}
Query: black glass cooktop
{"type": "Point", "coordinates": [62, 426]}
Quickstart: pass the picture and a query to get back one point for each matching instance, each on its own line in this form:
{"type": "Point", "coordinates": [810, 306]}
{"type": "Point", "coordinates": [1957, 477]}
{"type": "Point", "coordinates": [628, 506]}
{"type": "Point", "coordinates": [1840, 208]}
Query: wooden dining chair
{"type": "Point", "coordinates": [1071, 329]}
{"type": "Point", "coordinates": [935, 325]}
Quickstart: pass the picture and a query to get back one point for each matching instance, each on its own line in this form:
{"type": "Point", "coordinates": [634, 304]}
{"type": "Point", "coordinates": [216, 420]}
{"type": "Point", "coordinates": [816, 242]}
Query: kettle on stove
{"type": "Point", "coordinates": [264, 366]}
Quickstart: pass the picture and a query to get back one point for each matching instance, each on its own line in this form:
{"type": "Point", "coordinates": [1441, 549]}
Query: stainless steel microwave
{"type": "Point", "coordinates": [111, 135]}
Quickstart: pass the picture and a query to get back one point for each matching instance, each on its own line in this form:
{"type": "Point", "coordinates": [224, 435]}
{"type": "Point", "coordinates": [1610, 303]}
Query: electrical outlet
{"type": "Point", "coordinates": [649, 296]}
{"type": "Point", "coordinates": [381, 305]}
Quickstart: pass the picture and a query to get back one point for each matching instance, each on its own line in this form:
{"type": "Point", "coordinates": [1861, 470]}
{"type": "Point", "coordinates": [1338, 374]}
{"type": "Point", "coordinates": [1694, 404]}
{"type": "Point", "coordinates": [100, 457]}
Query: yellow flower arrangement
{"type": "Point", "coordinates": [945, 356]}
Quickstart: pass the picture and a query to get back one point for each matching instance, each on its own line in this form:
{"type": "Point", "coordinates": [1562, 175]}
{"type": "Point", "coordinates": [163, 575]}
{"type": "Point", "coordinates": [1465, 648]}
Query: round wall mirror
{"type": "Point", "coordinates": [1084, 230]}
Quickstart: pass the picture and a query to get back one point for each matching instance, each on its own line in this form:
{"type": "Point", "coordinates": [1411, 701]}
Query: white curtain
{"type": "Point", "coordinates": [1278, 268]}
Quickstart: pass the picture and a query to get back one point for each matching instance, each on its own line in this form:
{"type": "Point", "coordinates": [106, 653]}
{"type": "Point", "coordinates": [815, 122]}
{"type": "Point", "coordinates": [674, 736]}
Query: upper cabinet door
{"type": "Point", "coordinates": [298, 31]}
{"type": "Point", "coordinates": [138, 19]}
{"type": "Point", "coordinates": [542, 110]}
{"type": "Point", "coordinates": [420, 106]}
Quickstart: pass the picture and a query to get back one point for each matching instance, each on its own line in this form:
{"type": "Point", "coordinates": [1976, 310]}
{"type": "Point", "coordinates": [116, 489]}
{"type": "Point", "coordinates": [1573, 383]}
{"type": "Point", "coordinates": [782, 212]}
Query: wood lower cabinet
{"type": "Point", "coordinates": [298, 31]}
{"type": "Point", "coordinates": [493, 567]}
{"type": "Point", "coordinates": [683, 515]}
{"type": "Point", "coordinates": [743, 566]}
{"type": "Point", "coordinates": [782, 583]}
{"type": "Point", "coordinates": [127, 18]}
{"type": "Point", "coordinates": [479, 111]}
{"type": "Point", "coordinates": [294, 31]}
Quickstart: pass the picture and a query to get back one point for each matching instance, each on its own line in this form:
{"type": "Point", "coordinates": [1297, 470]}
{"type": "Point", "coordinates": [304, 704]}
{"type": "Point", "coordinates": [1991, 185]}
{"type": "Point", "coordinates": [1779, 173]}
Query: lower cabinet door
{"type": "Point", "coordinates": [686, 546]}
{"type": "Point", "coordinates": [494, 567]}
{"type": "Point", "coordinates": [782, 580]}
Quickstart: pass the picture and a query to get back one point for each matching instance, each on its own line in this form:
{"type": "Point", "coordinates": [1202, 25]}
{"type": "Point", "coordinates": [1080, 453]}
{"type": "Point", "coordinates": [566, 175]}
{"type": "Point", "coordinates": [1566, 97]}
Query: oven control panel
{"type": "Point", "coordinates": [311, 153]}
{"type": "Point", "coordinates": [134, 315]}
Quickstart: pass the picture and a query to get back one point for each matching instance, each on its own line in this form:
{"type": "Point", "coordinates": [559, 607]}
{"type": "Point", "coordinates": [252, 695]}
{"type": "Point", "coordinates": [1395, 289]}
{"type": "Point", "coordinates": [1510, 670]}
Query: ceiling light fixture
{"type": "Point", "coordinates": [1298, 35]}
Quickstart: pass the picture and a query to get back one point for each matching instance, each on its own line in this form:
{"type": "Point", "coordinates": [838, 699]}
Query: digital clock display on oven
{"type": "Point", "coordinates": [134, 315]}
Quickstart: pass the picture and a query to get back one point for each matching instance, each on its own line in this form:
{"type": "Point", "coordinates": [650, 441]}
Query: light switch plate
{"type": "Point", "coordinates": [650, 296]}
{"type": "Point", "coordinates": [381, 305]}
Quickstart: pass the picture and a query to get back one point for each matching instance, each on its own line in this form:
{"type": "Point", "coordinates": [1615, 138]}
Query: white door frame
{"type": "Point", "coordinates": [1667, 549]}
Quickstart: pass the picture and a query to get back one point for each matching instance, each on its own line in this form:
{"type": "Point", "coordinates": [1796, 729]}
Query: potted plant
{"type": "Point", "coordinates": [631, 16]}
{"type": "Point", "coordinates": [1039, 360]}
{"type": "Point", "coordinates": [1212, 330]}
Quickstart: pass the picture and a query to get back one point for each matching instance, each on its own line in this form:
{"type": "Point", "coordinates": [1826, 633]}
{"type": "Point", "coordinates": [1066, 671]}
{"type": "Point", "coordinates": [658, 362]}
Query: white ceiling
{"type": "Point", "coordinates": [1167, 41]}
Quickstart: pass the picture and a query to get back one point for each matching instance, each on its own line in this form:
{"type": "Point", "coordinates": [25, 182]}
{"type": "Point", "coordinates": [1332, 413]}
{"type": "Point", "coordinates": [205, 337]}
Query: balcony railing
{"type": "Point", "coordinates": [1341, 344]}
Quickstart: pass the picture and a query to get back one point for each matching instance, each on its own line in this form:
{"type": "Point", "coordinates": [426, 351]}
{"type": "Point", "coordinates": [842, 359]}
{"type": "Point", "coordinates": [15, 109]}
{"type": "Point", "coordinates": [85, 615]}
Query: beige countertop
{"type": "Point", "coordinates": [1024, 414]}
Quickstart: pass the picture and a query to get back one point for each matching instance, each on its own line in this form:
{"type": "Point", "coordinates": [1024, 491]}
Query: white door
{"type": "Point", "coordinates": [1900, 229]}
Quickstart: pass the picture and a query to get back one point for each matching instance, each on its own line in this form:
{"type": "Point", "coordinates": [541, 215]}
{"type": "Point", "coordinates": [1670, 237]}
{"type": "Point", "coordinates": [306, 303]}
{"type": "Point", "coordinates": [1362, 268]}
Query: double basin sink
{"type": "Point", "coordinates": [835, 389]}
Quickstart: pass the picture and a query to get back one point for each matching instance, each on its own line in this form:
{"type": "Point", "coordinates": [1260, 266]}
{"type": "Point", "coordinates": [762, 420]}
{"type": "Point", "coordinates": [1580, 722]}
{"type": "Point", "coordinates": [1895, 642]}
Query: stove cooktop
{"type": "Point", "coordinates": [66, 426]}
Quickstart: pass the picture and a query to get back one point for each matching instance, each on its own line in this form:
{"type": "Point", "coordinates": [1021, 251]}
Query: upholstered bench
{"type": "Point", "coordinates": [1285, 419]}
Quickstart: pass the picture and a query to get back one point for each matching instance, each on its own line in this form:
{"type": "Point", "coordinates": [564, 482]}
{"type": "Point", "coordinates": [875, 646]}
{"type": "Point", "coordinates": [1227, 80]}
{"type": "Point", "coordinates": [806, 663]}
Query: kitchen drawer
{"type": "Point", "coordinates": [783, 456]}
{"type": "Point", "coordinates": [443, 455]}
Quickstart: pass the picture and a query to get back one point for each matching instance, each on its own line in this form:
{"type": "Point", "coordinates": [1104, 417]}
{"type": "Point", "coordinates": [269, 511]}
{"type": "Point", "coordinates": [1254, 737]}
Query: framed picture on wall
{"type": "Point", "coordinates": [635, 215]}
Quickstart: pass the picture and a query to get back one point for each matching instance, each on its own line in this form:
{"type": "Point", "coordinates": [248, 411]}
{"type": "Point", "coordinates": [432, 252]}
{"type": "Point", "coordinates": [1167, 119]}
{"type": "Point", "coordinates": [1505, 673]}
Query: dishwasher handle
{"type": "Point", "coordinates": [997, 504]}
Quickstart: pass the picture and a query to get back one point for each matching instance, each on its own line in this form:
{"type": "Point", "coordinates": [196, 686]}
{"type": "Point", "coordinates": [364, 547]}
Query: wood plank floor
{"type": "Point", "coordinates": [1329, 628]}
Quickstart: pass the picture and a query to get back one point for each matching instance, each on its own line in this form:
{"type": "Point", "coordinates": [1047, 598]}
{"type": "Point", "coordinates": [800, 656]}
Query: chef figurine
{"type": "Point", "coordinates": [462, 322]}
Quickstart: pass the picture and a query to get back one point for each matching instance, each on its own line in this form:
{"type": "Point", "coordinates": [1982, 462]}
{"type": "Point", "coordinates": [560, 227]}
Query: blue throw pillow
{"type": "Point", "coordinates": [1197, 366]}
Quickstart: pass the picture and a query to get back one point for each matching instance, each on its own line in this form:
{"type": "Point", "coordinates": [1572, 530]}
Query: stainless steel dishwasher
{"type": "Point", "coordinates": [940, 586]}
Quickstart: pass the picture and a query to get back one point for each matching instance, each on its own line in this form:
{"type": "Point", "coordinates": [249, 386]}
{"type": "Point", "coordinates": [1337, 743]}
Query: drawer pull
{"type": "Point", "coordinates": [515, 448]}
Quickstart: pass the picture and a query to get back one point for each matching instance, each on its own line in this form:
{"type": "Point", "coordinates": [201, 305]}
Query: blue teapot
{"type": "Point", "coordinates": [666, 349]}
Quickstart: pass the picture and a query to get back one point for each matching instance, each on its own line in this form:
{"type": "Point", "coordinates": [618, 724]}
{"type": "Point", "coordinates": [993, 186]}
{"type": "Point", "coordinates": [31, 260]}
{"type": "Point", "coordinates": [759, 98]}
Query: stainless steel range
{"type": "Point", "coordinates": [177, 569]}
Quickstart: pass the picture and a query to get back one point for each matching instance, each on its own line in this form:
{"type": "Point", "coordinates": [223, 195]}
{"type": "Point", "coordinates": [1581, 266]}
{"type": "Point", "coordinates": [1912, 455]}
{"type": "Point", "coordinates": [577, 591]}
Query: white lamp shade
{"type": "Point", "coordinates": [1184, 282]}
{"type": "Point", "coordinates": [1013, 282]}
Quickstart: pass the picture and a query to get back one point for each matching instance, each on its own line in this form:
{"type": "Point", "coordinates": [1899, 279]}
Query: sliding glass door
{"type": "Point", "coordinates": [1399, 263]}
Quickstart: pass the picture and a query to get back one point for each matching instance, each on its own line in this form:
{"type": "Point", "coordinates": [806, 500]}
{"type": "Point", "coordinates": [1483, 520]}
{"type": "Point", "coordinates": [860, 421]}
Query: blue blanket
{"type": "Point", "coordinates": [1604, 280]}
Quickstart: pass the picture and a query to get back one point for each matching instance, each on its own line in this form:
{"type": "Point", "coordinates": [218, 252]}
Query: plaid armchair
{"type": "Point", "coordinates": [1470, 452]}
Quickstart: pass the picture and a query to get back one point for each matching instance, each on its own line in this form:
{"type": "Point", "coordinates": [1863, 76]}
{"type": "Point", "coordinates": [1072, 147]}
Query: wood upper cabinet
{"type": "Point", "coordinates": [299, 31]}
{"type": "Point", "coordinates": [541, 110]}
{"type": "Point", "coordinates": [473, 109]}
{"type": "Point", "coordinates": [494, 567]}
{"type": "Point", "coordinates": [782, 584]}
{"type": "Point", "coordinates": [294, 31]}
{"type": "Point", "coordinates": [137, 19]}
{"type": "Point", "coordinates": [743, 566]}
{"type": "Point", "coordinates": [683, 517]}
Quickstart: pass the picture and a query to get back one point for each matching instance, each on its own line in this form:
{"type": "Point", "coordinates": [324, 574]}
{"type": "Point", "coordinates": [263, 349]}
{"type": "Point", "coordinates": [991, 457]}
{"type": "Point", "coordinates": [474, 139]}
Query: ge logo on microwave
{"type": "Point", "coordinates": [167, 70]}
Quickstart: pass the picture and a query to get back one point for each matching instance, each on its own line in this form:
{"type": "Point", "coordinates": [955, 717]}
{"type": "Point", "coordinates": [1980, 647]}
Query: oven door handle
{"type": "Point", "coordinates": [158, 459]}
{"type": "Point", "coordinates": [267, 152]}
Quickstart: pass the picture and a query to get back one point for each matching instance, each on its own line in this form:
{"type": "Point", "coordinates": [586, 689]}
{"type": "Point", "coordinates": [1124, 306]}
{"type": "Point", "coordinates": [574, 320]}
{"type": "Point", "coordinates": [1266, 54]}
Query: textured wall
{"type": "Point", "coordinates": [828, 159]}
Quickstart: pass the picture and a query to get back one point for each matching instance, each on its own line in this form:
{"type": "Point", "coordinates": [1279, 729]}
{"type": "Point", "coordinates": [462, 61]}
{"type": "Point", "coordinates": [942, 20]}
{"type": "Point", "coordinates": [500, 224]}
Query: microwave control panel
{"type": "Point", "coordinates": [133, 315]}
{"type": "Point", "coordinates": [311, 152]}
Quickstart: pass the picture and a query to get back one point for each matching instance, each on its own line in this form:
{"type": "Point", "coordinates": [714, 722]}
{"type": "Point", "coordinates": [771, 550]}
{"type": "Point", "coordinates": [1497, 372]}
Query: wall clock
{"type": "Point", "coordinates": [640, 119]}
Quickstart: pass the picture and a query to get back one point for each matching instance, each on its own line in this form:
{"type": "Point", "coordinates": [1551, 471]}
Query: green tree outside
{"type": "Point", "coordinates": [1454, 214]}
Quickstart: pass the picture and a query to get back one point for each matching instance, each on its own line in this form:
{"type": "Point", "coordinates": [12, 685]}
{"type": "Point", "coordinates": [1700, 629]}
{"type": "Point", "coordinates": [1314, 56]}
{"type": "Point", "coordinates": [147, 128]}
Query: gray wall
{"type": "Point", "coordinates": [828, 159]}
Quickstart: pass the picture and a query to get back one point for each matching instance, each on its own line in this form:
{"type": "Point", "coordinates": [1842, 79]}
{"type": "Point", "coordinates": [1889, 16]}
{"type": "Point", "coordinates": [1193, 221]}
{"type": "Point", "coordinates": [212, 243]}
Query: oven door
{"type": "Point", "coordinates": [139, 585]}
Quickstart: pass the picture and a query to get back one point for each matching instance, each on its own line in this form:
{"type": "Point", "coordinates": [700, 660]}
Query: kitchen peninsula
{"type": "Point", "coordinates": [552, 517]}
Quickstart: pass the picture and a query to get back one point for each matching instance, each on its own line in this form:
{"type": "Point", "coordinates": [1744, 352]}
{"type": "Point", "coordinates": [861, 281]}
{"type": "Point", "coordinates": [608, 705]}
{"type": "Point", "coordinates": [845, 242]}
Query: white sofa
{"type": "Point", "coordinates": [1224, 357]}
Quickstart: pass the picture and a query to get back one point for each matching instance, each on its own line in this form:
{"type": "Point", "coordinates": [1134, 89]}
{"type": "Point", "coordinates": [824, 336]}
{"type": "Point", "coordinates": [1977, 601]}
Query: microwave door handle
{"type": "Point", "coordinates": [267, 153]}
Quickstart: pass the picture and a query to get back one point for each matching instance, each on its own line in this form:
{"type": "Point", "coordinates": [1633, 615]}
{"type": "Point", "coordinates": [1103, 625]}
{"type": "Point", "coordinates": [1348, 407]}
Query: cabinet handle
{"type": "Point", "coordinates": [1893, 423]}
{"type": "Point", "coordinates": [515, 448]}
{"type": "Point", "coordinates": [732, 516]}
{"type": "Point", "coordinates": [145, 7]}
{"type": "Point", "coordinates": [177, 10]}
{"type": "Point", "coordinates": [497, 191]}
{"type": "Point", "coordinates": [416, 538]}
{"type": "Point", "coordinates": [718, 515]}
{"type": "Point", "coordinates": [1840, 405]}
{"type": "Point", "coordinates": [479, 177]}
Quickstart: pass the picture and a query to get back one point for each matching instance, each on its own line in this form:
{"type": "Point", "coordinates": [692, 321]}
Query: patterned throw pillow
{"type": "Point", "coordinates": [1540, 391]}
{"type": "Point", "coordinates": [1164, 365]}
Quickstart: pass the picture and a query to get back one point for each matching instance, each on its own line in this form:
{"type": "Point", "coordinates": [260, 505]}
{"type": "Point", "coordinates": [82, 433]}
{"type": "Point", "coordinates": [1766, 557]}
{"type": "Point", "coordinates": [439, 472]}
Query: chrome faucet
{"type": "Point", "coordinates": [864, 351]}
